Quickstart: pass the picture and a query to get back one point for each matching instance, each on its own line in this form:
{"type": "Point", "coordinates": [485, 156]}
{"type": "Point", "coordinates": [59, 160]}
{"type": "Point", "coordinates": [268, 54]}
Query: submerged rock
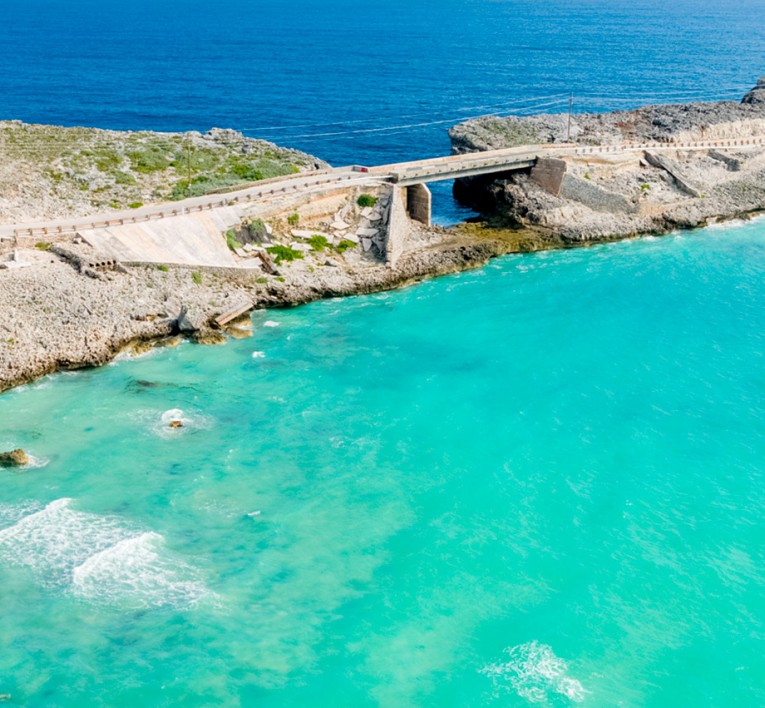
{"type": "Point", "coordinates": [14, 458]}
{"type": "Point", "coordinates": [176, 423]}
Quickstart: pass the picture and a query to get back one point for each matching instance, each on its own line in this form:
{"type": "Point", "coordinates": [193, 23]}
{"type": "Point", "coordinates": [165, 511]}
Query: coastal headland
{"type": "Point", "coordinates": [194, 231]}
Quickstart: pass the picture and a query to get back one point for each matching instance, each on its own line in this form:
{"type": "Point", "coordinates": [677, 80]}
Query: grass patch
{"type": "Point", "coordinates": [196, 277]}
{"type": "Point", "coordinates": [149, 159]}
{"type": "Point", "coordinates": [261, 281]}
{"type": "Point", "coordinates": [135, 205]}
{"type": "Point", "coordinates": [231, 240]}
{"type": "Point", "coordinates": [284, 253]}
{"type": "Point", "coordinates": [318, 242]}
{"type": "Point", "coordinates": [293, 219]}
{"type": "Point", "coordinates": [43, 246]}
{"type": "Point", "coordinates": [163, 268]}
{"type": "Point", "coordinates": [366, 200]}
{"type": "Point", "coordinates": [344, 245]}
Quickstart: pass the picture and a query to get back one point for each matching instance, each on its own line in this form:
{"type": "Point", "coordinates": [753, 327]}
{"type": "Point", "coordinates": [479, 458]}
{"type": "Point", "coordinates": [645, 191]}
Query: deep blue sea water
{"type": "Point", "coordinates": [538, 483]}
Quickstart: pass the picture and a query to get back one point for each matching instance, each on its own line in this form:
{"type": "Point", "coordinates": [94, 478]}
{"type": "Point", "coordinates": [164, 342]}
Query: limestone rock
{"type": "Point", "coordinates": [14, 458]}
{"type": "Point", "coordinates": [190, 320]}
{"type": "Point", "coordinates": [757, 94]}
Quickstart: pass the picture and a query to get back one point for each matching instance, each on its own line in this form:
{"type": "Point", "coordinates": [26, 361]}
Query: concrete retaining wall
{"type": "Point", "coordinates": [592, 196]}
{"type": "Point", "coordinates": [399, 227]}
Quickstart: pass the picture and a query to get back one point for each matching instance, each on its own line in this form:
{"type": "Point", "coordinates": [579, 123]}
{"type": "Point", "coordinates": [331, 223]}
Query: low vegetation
{"type": "Point", "coordinates": [280, 252]}
{"type": "Point", "coordinates": [318, 242]}
{"type": "Point", "coordinates": [366, 200]}
{"type": "Point", "coordinates": [231, 240]}
{"type": "Point", "coordinates": [87, 169]}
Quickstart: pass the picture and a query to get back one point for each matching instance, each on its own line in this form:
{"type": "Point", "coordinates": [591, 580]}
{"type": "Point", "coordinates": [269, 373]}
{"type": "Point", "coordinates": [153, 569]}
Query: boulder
{"type": "Point", "coordinates": [757, 95]}
{"type": "Point", "coordinates": [14, 458]}
{"type": "Point", "coordinates": [191, 320]}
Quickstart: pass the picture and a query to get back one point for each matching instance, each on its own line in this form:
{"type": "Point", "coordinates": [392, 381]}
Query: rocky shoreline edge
{"type": "Point", "coordinates": [54, 318]}
{"type": "Point", "coordinates": [72, 308]}
{"type": "Point", "coordinates": [89, 322]}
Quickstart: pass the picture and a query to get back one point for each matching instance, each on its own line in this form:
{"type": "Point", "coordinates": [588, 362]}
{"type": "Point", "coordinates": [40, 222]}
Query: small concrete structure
{"type": "Point", "coordinates": [548, 173]}
{"type": "Point", "coordinates": [419, 203]}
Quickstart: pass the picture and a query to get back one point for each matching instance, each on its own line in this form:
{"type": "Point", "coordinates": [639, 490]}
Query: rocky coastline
{"type": "Point", "coordinates": [56, 318]}
{"type": "Point", "coordinates": [605, 197]}
{"type": "Point", "coordinates": [69, 308]}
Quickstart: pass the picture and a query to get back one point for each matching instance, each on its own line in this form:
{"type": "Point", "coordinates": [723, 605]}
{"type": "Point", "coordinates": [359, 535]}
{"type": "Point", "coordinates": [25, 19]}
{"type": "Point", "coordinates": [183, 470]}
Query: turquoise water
{"type": "Point", "coordinates": [536, 483]}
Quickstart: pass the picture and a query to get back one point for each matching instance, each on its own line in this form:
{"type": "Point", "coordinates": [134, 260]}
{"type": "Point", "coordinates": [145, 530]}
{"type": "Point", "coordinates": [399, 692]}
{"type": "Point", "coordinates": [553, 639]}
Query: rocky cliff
{"type": "Point", "coordinates": [605, 197]}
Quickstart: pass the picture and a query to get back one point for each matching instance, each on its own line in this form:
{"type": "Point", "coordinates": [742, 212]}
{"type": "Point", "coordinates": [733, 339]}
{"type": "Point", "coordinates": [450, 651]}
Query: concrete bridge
{"type": "Point", "coordinates": [213, 214]}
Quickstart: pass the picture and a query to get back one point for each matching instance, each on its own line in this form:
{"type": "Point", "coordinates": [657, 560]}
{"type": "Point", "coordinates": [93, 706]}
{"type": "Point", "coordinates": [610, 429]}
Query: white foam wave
{"type": "Point", "coordinates": [55, 539]}
{"type": "Point", "coordinates": [11, 513]}
{"type": "Point", "coordinates": [270, 323]}
{"type": "Point", "coordinates": [158, 422]}
{"type": "Point", "coordinates": [98, 558]}
{"type": "Point", "coordinates": [535, 673]}
{"type": "Point", "coordinates": [133, 571]}
{"type": "Point", "coordinates": [36, 463]}
{"type": "Point", "coordinates": [258, 355]}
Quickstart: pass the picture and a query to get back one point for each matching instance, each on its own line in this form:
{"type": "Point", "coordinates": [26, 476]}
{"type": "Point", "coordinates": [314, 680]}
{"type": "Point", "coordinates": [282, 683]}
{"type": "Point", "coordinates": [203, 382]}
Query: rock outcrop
{"type": "Point", "coordinates": [14, 458]}
{"type": "Point", "coordinates": [757, 95]}
{"type": "Point", "coordinates": [617, 195]}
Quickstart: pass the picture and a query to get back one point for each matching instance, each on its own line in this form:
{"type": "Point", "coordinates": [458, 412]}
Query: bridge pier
{"type": "Point", "coordinates": [419, 203]}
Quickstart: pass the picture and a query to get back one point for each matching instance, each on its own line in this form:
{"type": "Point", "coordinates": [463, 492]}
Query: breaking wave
{"type": "Point", "coordinates": [535, 673]}
{"type": "Point", "coordinates": [99, 558]}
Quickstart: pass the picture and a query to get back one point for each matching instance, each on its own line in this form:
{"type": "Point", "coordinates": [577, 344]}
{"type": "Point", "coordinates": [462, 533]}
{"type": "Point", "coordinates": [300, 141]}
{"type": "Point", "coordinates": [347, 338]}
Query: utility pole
{"type": "Point", "coordinates": [188, 157]}
{"type": "Point", "coordinates": [570, 113]}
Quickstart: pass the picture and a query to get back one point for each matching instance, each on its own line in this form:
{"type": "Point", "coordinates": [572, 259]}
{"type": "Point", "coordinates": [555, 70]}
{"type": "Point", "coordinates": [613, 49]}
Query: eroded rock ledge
{"type": "Point", "coordinates": [621, 195]}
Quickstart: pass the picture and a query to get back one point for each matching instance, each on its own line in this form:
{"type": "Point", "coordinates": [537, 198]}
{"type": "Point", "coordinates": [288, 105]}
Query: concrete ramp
{"type": "Point", "coordinates": [191, 239]}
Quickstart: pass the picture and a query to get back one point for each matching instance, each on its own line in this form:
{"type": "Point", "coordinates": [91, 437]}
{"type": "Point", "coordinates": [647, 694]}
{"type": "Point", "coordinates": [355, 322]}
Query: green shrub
{"type": "Point", "coordinates": [284, 253]}
{"type": "Point", "coordinates": [123, 178]}
{"type": "Point", "coordinates": [261, 281]}
{"type": "Point", "coordinates": [366, 200]}
{"type": "Point", "coordinates": [258, 230]}
{"type": "Point", "coordinates": [163, 268]}
{"type": "Point", "coordinates": [135, 205]}
{"type": "Point", "coordinates": [645, 188]}
{"type": "Point", "coordinates": [318, 242]}
{"type": "Point", "coordinates": [247, 172]}
{"type": "Point", "coordinates": [293, 219]}
{"type": "Point", "coordinates": [43, 246]}
{"type": "Point", "coordinates": [196, 277]}
{"type": "Point", "coordinates": [231, 240]}
{"type": "Point", "coordinates": [344, 245]}
{"type": "Point", "coordinates": [148, 159]}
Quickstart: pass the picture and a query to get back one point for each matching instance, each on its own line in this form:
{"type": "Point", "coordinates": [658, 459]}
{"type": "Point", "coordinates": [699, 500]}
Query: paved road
{"type": "Point", "coordinates": [406, 173]}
